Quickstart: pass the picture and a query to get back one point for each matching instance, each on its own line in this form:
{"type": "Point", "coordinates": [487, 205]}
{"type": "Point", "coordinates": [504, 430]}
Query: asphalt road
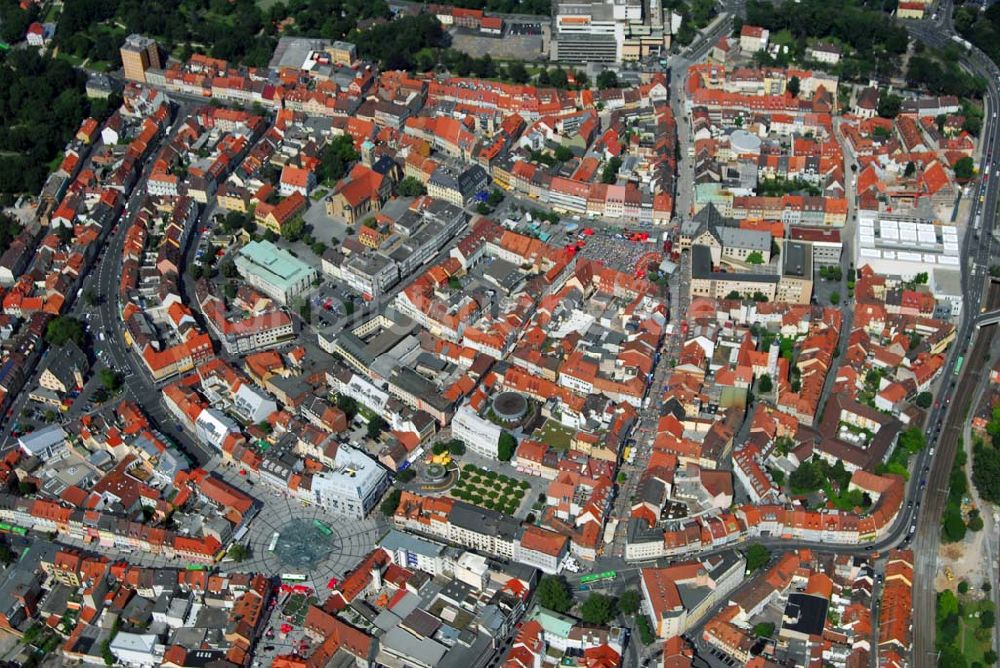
{"type": "Point", "coordinates": [138, 385]}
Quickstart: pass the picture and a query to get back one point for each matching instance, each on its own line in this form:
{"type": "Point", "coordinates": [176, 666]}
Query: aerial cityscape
{"type": "Point", "coordinates": [499, 333]}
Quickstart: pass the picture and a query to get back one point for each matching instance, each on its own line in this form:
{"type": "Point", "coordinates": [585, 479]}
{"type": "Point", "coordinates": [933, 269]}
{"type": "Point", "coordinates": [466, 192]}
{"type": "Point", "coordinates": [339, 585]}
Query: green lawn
{"type": "Point", "coordinates": [973, 648]}
{"type": "Point", "coordinates": [555, 435]}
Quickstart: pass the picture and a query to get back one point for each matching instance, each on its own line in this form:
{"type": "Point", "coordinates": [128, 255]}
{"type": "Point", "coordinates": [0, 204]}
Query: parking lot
{"type": "Point", "coordinates": [524, 28]}
{"type": "Point", "coordinates": [527, 47]}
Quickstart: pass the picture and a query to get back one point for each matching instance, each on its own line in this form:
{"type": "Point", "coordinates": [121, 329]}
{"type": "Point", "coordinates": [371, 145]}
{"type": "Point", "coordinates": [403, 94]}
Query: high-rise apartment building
{"type": "Point", "coordinates": [139, 54]}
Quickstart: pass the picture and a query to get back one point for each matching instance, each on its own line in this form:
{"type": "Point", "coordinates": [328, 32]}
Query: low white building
{"type": "Point", "coordinates": [47, 443]}
{"type": "Point", "coordinates": [352, 487]}
{"type": "Point", "coordinates": [824, 53]}
{"type": "Point", "coordinates": [478, 434]}
{"type": "Point", "coordinates": [902, 248]}
{"type": "Point", "coordinates": [212, 427]}
{"type": "Point", "coordinates": [253, 405]}
{"type": "Point", "coordinates": [473, 570]}
{"type": "Point", "coordinates": [411, 551]}
{"type": "Point", "coordinates": [137, 649]}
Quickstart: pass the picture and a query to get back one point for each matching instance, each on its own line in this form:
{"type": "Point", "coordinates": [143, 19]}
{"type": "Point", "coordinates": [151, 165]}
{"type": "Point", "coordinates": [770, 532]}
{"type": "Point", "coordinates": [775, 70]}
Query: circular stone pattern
{"type": "Point", "coordinates": [435, 472]}
{"type": "Point", "coordinates": [510, 406]}
{"type": "Point", "coordinates": [302, 545]}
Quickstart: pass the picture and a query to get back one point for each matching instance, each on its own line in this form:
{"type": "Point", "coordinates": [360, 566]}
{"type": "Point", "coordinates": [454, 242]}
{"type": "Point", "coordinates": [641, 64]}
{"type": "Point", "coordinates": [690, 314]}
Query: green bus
{"type": "Point", "coordinates": [197, 567]}
{"type": "Point", "coordinates": [958, 364]}
{"type": "Point", "coordinates": [20, 531]}
{"type": "Point", "coordinates": [597, 577]}
{"type": "Point", "coordinates": [4, 527]}
{"type": "Point", "coordinates": [323, 529]}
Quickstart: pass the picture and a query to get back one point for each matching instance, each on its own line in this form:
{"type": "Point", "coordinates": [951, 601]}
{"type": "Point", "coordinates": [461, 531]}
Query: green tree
{"type": "Point", "coordinates": [913, 440]}
{"type": "Point", "coordinates": [889, 105]}
{"type": "Point", "coordinates": [456, 448]}
{"type": "Point", "coordinates": [390, 503]}
{"type": "Point", "coordinates": [947, 604]}
{"type": "Point", "coordinates": [558, 78]}
{"type": "Point", "coordinates": [757, 557]}
{"type": "Point", "coordinates": [990, 657]}
{"type": "Point", "coordinates": [764, 630]}
{"type": "Point", "coordinates": [629, 602]}
{"type": "Point", "coordinates": [237, 552]}
{"type": "Point", "coordinates": [598, 609]}
{"type": "Point", "coordinates": [518, 73]}
{"type": "Point", "coordinates": [293, 229]}
{"type": "Point", "coordinates": [411, 187]}
{"type": "Point", "coordinates": [89, 297]}
{"type": "Point", "coordinates": [964, 169]}
{"type": "Point", "coordinates": [924, 400]}
{"type": "Point", "coordinates": [834, 298]}
{"type": "Point", "coordinates": [987, 619]}
{"type": "Point", "coordinates": [62, 329]}
{"type": "Point", "coordinates": [764, 384]}
{"type": "Point", "coordinates": [610, 172]}
{"type": "Point", "coordinates": [335, 158]}
{"type": "Point", "coordinates": [607, 79]}
{"type": "Point", "coordinates": [806, 478]}
{"type": "Point", "coordinates": [506, 447]}
{"type": "Point", "coordinates": [755, 257]}
{"type": "Point", "coordinates": [793, 86]}
{"type": "Point", "coordinates": [562, 153]}
{"type": "Point", "coordinates": [553, 593]}
{"type": "Point", "coordinates": [347, 404]}
{"type": "Point", "coordinates": [953, 526]}
{"type": "Point", "coordinates": [963, 587]}
{"type": "Point", "coordinates": [110, 380]}
{"type": "Point", "coordinates": [376, 425]}
{"type": "Point", "coordinates": [646, 635]}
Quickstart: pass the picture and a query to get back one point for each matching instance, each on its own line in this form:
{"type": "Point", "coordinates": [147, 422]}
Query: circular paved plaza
{"type": "Point", "coordinates": [307, 541]}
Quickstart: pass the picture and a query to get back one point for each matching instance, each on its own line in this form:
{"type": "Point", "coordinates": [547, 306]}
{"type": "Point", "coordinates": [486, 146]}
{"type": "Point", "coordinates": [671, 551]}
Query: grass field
{"type": "Point", "coordinates": [555, 435]}
{"type": "Point", "coordinates": [973, 648]}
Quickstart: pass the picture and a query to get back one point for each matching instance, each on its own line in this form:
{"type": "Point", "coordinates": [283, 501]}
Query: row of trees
{"type": "Point", "coordinates": [953, 524]}
{"type": "Point", "coordinates": [986, 461]}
